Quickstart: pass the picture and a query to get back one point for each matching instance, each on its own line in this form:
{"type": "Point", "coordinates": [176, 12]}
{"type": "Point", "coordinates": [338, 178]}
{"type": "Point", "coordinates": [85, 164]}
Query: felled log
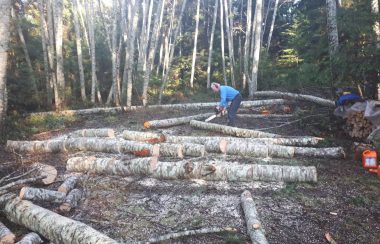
{"type": "Point", "coordinates": [103, 132]}
{"type": "Point", "coordinates": [49, 172]}
{"type": "Point", "coordinates": [265, 116]}
{"type": "Point", "coordinates": [52, 226]}
{"type": "Point", "coordinates": [138, 166]}
{"type": "Point", "coordinates": [6, 236]}
{"type": "Point", "coordinates": [41, 195]}
{"type": "Point", "coordinates": [193, 149]}
{"type": "Point", "coordinates": [174, 121]}
{"type": "Point", "coordinates": [298, 141]}
{"type": "Point", "coordinates": [171, 150]}
{"type": "Point", "coordinates": [68, 184]}
{"type": "Point", "coordinates": [228, 130]}
{"type": "Point", "coordinates": [254, 228]}
{"type": "Point", "coordinates": [288, 95]}
{"type": "Point", "coordinates": [85, 144]}
{"type": "Point", "coordinates": [216, 171]}
{"type": "Point", "coordinates": [71, 200]}
{"type": "Point", "coordinates": [149, 137]}
{"type": "Point", "coordinates": [31, 238]}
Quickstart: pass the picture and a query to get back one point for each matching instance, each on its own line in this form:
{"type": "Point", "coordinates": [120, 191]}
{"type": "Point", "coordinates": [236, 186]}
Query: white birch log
{"type": "Point", "coordinates": [288, 95]}
{"type": "Point", "coordinates": [265, 116]}
{"type": "Point", "coordinates": [49, 172]}
{"type": "Point", "coordinates": [31, 238]}
{"type": "Point", "coordinates": [149, 137]}
{"type": "Point", "coordinates": [138, 166]}
{"type": "Point", "coordinates": [254, 228]}
{"type": "Point", "coordinates": [174, 121]}
{"type": "Point", "coordinates": [85, 144]}
{"type": "Point", "coordinates": [41, 195]}
{"type": "Point", "coordinates": [6, 236]}
{"type": "Point", "coordinates": [228, 130]}
{"type": "Point", "coordinates": [68, 184]}
{"type": "Point", "coordinates": [52, 226]}
{"type": "Point", "coordinates": [193, 150]}
{"type": "Point", "coordinates": [104, 132]}
{"type": "Point", "coordinates": [171, 150]}
{"type": "Point", "coordinates": [216, 171]}
{"type": "Point", "coordinates": [71, 200]}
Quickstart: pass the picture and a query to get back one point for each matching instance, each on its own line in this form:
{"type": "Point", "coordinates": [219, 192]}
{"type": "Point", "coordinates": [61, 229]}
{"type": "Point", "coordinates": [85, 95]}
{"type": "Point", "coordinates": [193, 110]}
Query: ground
{"type": "Point", "coordinates": [344, 202]}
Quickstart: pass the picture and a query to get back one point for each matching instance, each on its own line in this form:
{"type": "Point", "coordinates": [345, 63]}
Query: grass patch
{"type": "Point", "coordinates": [360, 201]}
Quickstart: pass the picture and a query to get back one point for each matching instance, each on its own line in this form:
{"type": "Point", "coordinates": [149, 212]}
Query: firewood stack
{"type": "Point", "coordinates": [357, 126]}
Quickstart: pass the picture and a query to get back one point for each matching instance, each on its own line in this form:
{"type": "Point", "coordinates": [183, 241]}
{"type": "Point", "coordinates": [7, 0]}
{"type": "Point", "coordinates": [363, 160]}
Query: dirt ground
{"type": "Point", "coordinates": [344, 202]}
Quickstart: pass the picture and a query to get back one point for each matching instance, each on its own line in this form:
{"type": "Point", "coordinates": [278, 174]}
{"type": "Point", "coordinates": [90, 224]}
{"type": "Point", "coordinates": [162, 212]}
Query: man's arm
{"type": "Point", "coordinates": [223, 98]}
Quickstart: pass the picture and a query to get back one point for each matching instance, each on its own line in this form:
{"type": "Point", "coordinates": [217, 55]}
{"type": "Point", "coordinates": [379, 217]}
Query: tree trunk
{"type": "Point", "coordinates": [195, 45]}
{"type": "Point", "coordinates": [257, 44]}
{"type": "Point", "coordinates": [376, 24]}
{"type": "Point", "coordinates": [272, 24]}
{"type": "Point", "coordinates": [6, 236]}
{"type": "Point", "coordinates": [148, 137]}
{"type": "Point", "coordinates": [115, 53]}
{"type": "Point", "coordinates": [222, 42]}
{"type": "Point", "coordinates": [5, 8]}
{"type": "Point", "coordinates": [91, 31]}
{"type": "Point", "coordinates": [71, 200]}
{"type": "Point", "coordinates": [78, 40]}
{"type": "Point", "coordinates": [288, 95]}
{"type": "Point", "coordinates": [31, 238]}
{"type": "Point", "coordinates": [174, 121]}
{"type": "Point", "coordinates": [254, 227]}
{"type": "Point", "coordinates": [152, 49]}
{"type": "Point", "coordinates": [58, 23]}
{"type": "Point", "coordinates": [332, 28]}
{"type": "Point", "coordinates": [229, 26]}
{"type": "Point", "coordinates": [41, 195]}
{"type": "Point", "coordinates": [247, 43]}
{"type": "Point", "coordinates": [171, 150]}
{"type": "Point", "coordinates": [51, 49]}
{"type": "Point", "coordinates": [94, 133]}
{"type": "Point", "coordinates": [228, 130]}
{"type": "Point", "coordinates": [211, 43]}
{"type": "Point", "coordinates": [68, 184]}
{"type": "Point", "coordinates": [265, 116]}
{"type": "Point", "coordinates": [53, 226]}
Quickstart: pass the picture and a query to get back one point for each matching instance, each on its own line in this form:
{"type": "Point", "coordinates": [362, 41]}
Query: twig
{"type": "Point", "coordinates": [190, 232]}
{"type": "Point", "coordinates": [7, 178]}
{"type": "Point", "coordinates": [20, 182]}
{"type": "Point", "coordinates": [291, 122]}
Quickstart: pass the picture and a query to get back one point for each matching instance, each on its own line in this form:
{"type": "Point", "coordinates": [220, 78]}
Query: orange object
{"type": "Point", "coordinates": [265, 112]}
{"type": "Point", "coordinates": [369, 159]}
{"type": "Point", "coordinates": [376, 171]}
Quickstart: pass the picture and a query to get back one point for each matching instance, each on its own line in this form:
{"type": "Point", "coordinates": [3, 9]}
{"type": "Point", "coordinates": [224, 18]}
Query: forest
{"type": "Point", "coordinates": [107, 121]}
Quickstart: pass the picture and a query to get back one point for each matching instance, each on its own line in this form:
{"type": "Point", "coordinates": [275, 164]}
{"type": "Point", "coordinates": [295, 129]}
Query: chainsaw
{"type": "Point", "coordinates": [218, 113]}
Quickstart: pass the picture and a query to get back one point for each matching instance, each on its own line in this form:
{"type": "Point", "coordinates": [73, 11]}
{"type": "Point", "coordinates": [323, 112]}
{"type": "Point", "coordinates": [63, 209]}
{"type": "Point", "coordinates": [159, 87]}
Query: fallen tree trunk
{"type": "Point", "coordinates": [171, 150]}
{"type": "Point", "coordinates": [71, 200]}
{"type": "Point", "coordinates": [193, 149]}
{"type": "Point", "coordinates": [6, 236]}
{"type": "Point", "coordinates": [105, 132]}
{"type": "Point", "coordinates": [52, 226]}
{"type": "Point", "coordinates": [31, 238]}
{"type": "Point", "coordinates": [149, 137]}
{"type": "Point", "coordinates": [288, 95]}
{"type": "Point", "coordinates": [68, 184]}
{"type": "Point", "coordinates": [217, 171]}
{"type": "Point", "coordinates": [265, 116]}
{"type": "Point", "coordinates": [85, 144]}
{"type": "Point", "coordinates": [174, 121]}
{"type": "Point", "coordinates": [254, 228]}
{"type": "Point", "coordinates": [41, 195]}
{"type": "Point", "coordinates": [228, 130]}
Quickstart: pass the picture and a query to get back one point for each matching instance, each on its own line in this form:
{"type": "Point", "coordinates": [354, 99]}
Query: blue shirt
{"type": "Point", "coordinates": [227, 94]}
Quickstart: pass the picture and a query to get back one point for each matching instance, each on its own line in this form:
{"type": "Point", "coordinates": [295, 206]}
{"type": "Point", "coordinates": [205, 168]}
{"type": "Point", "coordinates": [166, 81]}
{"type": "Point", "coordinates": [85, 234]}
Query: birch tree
{"type": "Point", "coordinates": [222, 41]}
{"type": "Point", "coordinates": [51, 49]}
{"type": "Point", "coordinates": [90, 19]}
{"type": "Point", "coordinates": [257, 44]}
{"type": "Point", "coordinates": [211, 43]}
{"type": "Point", "coordinates": [229, 32]}
{"type": "Point", "coordinates": [247, 42]}
{"type": "Point", "coordinates": [5, 7]}
{"type": "Point", "coordinates": [58, 23]}
{"type": "Point", "coordinates": [272, 24]}
{"type": "Point", "coordinates": [332, 29]}
{"type": "Point", "coordinates": [376, 25]}
{"type": "Point", "coordinates": [195, 45]}
{"type": "Point", "coordinates": [78, 41]}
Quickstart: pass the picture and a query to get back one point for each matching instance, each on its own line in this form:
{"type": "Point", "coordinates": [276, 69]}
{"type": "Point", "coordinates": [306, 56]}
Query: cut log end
{"type": "Point", "coordinates": [8, 239]}
{"type": "Point", "coordinates": [65, 207]}
{"type": "Point", "coordinates": [223, 146]}
{"type": "Point", "coordinates": [156, 150]}
{"type": "Point", "coordinates": [142, 153]}
{"type": "Point", "coordinates": [48, 171]}
{"type": "Point", "coordinates": [22, 192]}
{"type": "Point", "coordinates": [146, 124]}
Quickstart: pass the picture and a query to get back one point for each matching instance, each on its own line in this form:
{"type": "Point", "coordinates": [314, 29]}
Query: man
{"type": "Point", "coordinates": [228, 94]}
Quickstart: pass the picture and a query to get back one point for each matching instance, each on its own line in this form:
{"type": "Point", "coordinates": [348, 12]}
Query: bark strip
{"type": "Point", "coordinates": [254, 227]}
{"type": "Point", "coordinates": [52, 226]}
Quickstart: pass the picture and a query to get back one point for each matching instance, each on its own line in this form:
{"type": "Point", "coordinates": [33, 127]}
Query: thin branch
{"type": "Point", "coordinates": [291, 122]}
{"type": "Point", "coordinates": [7, 178]}
{"type": "Point", "coordinates": [20, 182]}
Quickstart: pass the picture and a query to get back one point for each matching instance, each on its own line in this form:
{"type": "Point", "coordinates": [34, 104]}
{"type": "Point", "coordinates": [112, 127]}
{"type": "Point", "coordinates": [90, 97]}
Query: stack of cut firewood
{"type": "Point", "coordinates": [357, 126]}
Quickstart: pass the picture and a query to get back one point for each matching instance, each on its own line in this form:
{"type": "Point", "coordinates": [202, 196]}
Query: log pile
{"type": "Point", "coordinates": [357, 126]}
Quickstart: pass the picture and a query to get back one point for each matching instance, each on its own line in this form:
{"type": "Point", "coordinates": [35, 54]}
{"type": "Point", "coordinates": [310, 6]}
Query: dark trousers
{"type": "Point", "coordinates": [235, 104]}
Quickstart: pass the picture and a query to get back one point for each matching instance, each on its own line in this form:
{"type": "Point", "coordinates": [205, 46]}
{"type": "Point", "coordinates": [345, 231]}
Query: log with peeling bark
{"type": "Point", "coordinates": [52, 226]}
{"type": "Point", "coordinates": [85, 144]}
{"type": "Point", "coordinates": [138, 166]}
{"type": "Point", "coordinates": [191, 232]}
{"type": "Point", "coordinates": [299, 141]}
{"type": "Point", "coordinates": [174, 121]}
{"type": "Point", "coordinates": [149, 137]}
{"type": "Point", "coordinates": [30, 238]}
{"type": "Point", "coordinates": [229, 130]}
{"type": "Point", "coordinates": [41, 195]}
{"type": "Point", "coordinates": [71, 200]}
{"type": "Point", "coordinates": [254, 227]}
{"type": "Point", "coordinates": [288, 95]}
{"type": "Point", "coordinates": [193, 149]}
{"type": "Point", "coordinates": [103, 132]}
{"type": "Point", "coordinates": [215, 171]}
{"type": "Point", "coordinates": [6, 236]}
{"type": "Point", "coordinates": [171, 150]}
{"type": "Point", "coordinates": [49, 172]}
{"type": "Point", "coordinates": [68, 184]}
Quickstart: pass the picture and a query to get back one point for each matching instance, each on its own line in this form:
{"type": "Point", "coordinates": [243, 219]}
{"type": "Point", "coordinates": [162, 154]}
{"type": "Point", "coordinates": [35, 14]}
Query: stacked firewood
{"type": "Point", "coordinates": [357, 126]}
